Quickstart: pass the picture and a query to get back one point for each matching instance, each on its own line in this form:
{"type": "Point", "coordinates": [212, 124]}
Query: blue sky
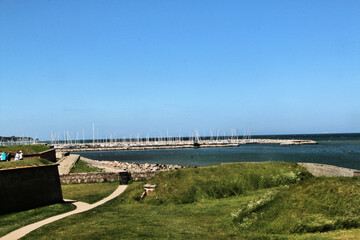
{"type": "Point", "coordinates": [147, 67]}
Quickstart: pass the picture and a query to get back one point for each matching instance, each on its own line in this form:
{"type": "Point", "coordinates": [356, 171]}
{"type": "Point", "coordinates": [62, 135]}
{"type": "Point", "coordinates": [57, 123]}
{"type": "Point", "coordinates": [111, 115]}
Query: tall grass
{"type": "Point", "coordinates": [215, 182]}
{"type": "Point", "coordinates": [316, 205]}
{"type": "Point", "coordinates": [84, 167]}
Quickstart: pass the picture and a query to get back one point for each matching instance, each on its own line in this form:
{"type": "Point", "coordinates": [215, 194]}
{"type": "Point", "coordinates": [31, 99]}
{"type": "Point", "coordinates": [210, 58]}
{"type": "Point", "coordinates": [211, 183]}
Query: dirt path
{"type": "Point", "coordinates": [80, 207]}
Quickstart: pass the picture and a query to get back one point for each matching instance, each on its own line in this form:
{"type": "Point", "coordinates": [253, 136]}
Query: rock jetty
{"type": "Point", "coordinates": [117, 166]}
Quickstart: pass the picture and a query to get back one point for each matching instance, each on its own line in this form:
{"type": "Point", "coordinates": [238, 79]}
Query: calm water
{"type": "Point", "coordinates": [336, 149]}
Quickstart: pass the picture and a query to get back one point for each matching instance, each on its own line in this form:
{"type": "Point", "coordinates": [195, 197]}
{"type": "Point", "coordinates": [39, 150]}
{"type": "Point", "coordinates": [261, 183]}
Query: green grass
{"type": "Point", "coordinates": [114, 220]}
{"type": "Point", "coordinates": [83, 167]}
{"type": "Point", "coordinates": [316, 205]}
{"type": "Point", "coordinates": [272, 201]}
{"type": "Point", "coordinates": [26, 149]}
{"type": "Point", "coordinates": [215, 182]}
{"type": "Point", "coordinates": [13, 221]}
{"type": "Point", "coordinates": [88, 192]}
{"type": "Point", "coordinates": [25, 163]}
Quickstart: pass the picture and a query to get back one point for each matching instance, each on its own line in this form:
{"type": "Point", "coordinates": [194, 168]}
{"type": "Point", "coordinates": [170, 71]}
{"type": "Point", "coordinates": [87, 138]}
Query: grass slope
{"type": "Point", "coordinates": [25, 163]}
{"type": "Point", "coordinates": [235, 201]}
{"type": "Point", "coordinates": [316, 205]}
{"type": "Point", "coordinates": [215, 182]}
{"type": "Point", "coordinates": [114, 220]}
{"type": "Point", "coordinates": [83, 167]}
{"type": "Point", "coordinates": [26, 149]}
{"type": "Point", "coordinates": [12, 221]}
{"type": "Point", "coordinates": [88, 192]}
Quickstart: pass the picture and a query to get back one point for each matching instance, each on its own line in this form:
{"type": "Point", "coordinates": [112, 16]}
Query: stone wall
{"type": "Point", "coordinates": [122, 177]}
{"type": "Point", "coordinates": [29, 187]}
{"type": "Point", "coordinates": [143, 175]}
{"type": "Point", "coordinates": [89, 178]}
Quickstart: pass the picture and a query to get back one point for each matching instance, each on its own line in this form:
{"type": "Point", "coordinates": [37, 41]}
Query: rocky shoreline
{"type": "Point", "coordinates": [117, 166]}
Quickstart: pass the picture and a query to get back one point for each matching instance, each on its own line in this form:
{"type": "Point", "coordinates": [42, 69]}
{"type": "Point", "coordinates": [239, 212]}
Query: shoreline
{"type": "Point", "coordinates": [315, 169]}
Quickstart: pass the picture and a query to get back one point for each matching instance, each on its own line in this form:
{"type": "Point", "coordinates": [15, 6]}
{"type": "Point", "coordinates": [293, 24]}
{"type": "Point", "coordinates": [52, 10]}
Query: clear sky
{"type": "Point", "coordinates": [148, 67]}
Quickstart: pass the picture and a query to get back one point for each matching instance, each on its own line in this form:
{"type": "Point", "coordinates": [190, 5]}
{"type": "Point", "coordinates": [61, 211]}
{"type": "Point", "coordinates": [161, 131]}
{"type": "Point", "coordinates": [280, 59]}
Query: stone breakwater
{"type": "Point", "coordinates": [116, 166]}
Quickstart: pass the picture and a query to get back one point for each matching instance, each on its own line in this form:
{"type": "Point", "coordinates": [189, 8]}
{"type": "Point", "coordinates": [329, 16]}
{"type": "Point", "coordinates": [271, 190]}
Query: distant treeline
{"type": "Point", "coordinates": [14, 139]}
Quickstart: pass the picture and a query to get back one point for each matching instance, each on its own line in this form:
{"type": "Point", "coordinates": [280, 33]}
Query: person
{"type": "Point", "coordinates": [8, 156]}
{"type": "Point", "coordinates": [21, 155]}
{"type": "Point", "coordinates": [3, 156]}
{"type": "Point", "coordinates": [17, 156]}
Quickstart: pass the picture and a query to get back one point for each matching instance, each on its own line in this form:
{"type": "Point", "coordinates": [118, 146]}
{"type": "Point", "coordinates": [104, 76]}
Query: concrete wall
{"type": "Point", "coordinates": [29, 187]}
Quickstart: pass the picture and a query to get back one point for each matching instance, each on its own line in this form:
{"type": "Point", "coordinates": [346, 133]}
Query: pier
{"type": "Point", "coordinates": [171, 144]}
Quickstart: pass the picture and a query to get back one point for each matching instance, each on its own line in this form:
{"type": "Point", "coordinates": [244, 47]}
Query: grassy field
{"type": "Point", "coordinates": [83, 167]}
{"type": "Point", "coordinates": [12, 221]}
{"type": "Point", "coordinates": [232, 201]}
{"type": "Point", "coordinates": [25, 163]}
{"type": "Point", "coordinates": [316, 205]}
{"type": "Point", "coordinates": [26, 149]}
{"type": "Point", "coordinates": [88, 192]}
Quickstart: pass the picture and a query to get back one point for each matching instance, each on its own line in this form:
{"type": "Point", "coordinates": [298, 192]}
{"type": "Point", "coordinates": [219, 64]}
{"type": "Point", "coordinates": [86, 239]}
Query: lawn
{"type": "Point", "coordinates": [26, 149]}
{"type": "Point", "coordinates": [29, 162]}
{"type": "Point", "coordinates": [88, 192]}
{"type": "Point", "coordinates": [12, 221]}
{"type": "Point", "coordinates": [83, 167]}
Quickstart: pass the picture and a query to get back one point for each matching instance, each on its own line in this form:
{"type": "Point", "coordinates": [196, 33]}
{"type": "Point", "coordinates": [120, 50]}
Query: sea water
{"type": "Point", "coordinates": [341, 150]}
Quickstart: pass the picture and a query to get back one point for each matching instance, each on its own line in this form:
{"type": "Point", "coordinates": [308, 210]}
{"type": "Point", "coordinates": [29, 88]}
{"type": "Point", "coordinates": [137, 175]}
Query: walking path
{"type": "Point", "coordinates": [66, 164]}
{"type": "Point", "coordinates": [80, 207]}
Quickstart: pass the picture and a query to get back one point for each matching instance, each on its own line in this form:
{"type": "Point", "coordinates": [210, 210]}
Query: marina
{"type": "Point", "coordinates": [341, 150]}
{"type": "Point", "coordinates": [148, 144]}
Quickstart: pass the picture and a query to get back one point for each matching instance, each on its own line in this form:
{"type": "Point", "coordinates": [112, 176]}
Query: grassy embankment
{"type": "Point", "coordinates": [235, 201]}
{"type": "Point", "coordinates": [88, 192]}
{"type": "Point", "coordinates": [83, 167]}
{"type": "Point", "coordinates": [29, 162]}
{"type": "Point", "coordinates": [12, 221]}
{"type": "Point", "coordinates": [26, 149]}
